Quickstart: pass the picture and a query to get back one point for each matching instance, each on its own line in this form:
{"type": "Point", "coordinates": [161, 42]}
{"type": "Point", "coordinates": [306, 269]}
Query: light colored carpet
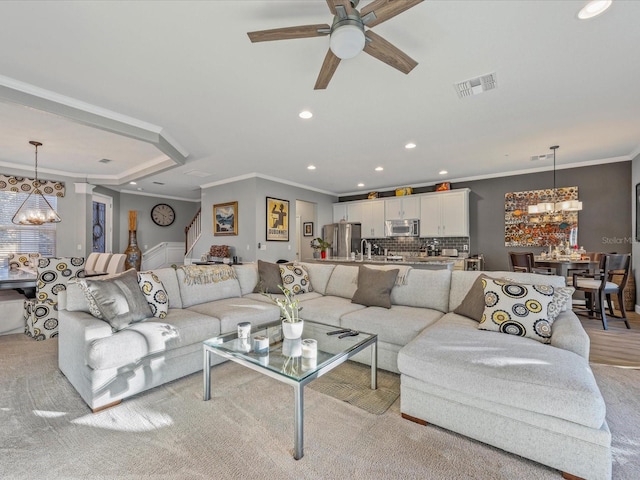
{"type": "Point", "coordinates": [246, 431]}
{"type": "Point", "coordinates": [352, 384]}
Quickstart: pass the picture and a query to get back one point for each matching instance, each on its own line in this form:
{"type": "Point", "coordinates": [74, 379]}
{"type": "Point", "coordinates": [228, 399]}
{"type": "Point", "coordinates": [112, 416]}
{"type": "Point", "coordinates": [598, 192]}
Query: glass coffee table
{"type": "Point", "coordinates": [294, 362]}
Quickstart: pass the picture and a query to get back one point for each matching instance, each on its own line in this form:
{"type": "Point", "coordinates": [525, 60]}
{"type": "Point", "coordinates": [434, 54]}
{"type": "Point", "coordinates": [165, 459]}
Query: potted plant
{"type": "Point", "coordinates": [321, 245]}
{"type": "Point", "coordinates": [292, 324]}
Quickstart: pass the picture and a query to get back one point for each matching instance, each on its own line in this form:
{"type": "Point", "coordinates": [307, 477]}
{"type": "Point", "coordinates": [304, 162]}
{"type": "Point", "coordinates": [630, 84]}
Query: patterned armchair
{"type": "Point", "coordinates": [22, 260]}
{"type": "Point", "coordinates": [41, 313]}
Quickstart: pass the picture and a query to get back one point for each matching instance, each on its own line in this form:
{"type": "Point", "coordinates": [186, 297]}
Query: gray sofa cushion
{"type": "Point", "coordinates": [169, 279]}
{"type": "Point", "coordinates": [374, 287]}
{"type": "Point", "coordinates": [343, 281]}
{"type": "Point", "coordinates": [247, 277]}
{"type": "Point", "coordinates": [154, 336]}
{"type": "Point", "coordinates": [195, 294]}
{"type": "Point", "coordinates": [455, 355]}
{"type": "Point", "coordinates": [328, 309]}
{"type": "Point", "coordinates": [424, 288]}
{"type": "Point", "coordinates": [232, 311]}
{"type": "Point", "coordinates": [397, 325]}
{"type": "Point", "coordinates": [319, 275]}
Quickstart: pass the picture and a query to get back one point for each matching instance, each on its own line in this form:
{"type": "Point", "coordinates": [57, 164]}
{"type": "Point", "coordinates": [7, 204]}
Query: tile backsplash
{"type": "Point", "coordinates": [408, 245]}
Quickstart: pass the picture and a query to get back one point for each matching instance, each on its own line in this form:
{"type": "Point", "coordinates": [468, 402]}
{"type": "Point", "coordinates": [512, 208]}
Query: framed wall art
{"type": "Point", "coordinates": [307, 229]}
{"type": "Point", "coordinates": [225, 218]}
{"type": "Point", "coordinates": [277, 220]}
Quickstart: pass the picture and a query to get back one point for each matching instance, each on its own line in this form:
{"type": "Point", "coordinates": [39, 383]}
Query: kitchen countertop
{"type": "Point", "coordinates": [426, 262]}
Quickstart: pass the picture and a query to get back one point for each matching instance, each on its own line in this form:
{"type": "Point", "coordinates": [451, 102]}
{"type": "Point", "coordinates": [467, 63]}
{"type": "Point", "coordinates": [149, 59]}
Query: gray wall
{"type": "Point", "coordinates": [604, 224]}
{"type": "Point", "coordinates": [251, 197]}
{"type": "Point", "coordinates": [148, 233]}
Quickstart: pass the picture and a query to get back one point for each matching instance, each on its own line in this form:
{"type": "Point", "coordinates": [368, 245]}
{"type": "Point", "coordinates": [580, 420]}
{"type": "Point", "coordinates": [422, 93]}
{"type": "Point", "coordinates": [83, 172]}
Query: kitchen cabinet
{"type": "Point", "coordinates": [369, 213]}
{"type": "Point", "coordinates": [445, 214]}
{"type": "Point", "coordinates": [402, 208]}
{"type": "Point", "coordinates": [372, 219]}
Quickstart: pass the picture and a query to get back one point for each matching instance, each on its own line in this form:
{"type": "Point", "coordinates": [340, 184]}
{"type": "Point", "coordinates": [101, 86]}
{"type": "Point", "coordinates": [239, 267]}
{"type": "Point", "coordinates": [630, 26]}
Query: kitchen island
{"type": "Point", "coordinates": [425, 263]}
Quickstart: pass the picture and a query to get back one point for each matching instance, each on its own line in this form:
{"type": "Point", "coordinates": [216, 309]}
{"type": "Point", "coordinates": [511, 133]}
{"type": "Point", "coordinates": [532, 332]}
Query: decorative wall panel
{"type": "Point", "coordinates": [540, 230]}
{"type": "Point", "coordinates": [26, 185]}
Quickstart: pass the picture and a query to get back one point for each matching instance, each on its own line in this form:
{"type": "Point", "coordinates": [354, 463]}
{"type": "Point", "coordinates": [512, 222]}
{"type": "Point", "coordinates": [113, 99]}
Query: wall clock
{"type": "Point", "coordinates": [163, 215]}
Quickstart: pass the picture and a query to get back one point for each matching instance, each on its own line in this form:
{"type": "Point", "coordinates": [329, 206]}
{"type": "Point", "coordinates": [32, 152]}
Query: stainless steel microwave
{"type": "Point", "coordinates": [402, 228]}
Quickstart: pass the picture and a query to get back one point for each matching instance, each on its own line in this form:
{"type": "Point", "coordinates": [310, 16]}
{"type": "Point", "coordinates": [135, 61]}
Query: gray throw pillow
{"type": "Point", "coordinates": [269, 278]}
{"type": "Point", "coordinates": [119, 299]}
{"type": "Point", "coordinates": [374, 287]}
{"type": "Point", "coordinates": [473, 304]}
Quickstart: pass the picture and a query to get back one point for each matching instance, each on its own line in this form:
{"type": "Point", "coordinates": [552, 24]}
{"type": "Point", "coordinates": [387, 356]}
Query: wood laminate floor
{"type": "Point", "coordinates": [617, 345]}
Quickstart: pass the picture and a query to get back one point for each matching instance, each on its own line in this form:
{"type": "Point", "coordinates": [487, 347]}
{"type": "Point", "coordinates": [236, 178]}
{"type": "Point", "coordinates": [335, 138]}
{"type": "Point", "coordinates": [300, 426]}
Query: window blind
{"type": "Point", "coordinates": [22, 238]}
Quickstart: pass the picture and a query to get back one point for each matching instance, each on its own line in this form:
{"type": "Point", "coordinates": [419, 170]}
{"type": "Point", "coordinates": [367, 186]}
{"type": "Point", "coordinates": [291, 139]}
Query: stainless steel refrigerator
{"type": "Point", "coordinates": [344, 238]}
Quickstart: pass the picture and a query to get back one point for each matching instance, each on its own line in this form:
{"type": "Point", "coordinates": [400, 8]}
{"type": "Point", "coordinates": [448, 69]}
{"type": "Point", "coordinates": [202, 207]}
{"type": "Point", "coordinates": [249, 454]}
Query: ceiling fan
{"type": "Point", "coordinates": [348, 36]}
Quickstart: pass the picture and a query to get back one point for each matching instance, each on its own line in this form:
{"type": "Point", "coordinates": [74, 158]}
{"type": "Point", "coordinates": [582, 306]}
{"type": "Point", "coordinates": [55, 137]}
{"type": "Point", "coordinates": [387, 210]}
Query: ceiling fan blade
{"type": "Point", "coordinates": [329, 66]}
{"type": "Point", "coordinates": [287, 33]}
{"type": "Point", "coordinates": [384, 51]}
{"type": "Point", "coordinates": [386, 9]}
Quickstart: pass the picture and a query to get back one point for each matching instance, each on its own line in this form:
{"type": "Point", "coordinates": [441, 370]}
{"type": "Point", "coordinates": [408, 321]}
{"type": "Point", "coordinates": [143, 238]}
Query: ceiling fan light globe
{"type": "Point", "coordinates": [347, 41]}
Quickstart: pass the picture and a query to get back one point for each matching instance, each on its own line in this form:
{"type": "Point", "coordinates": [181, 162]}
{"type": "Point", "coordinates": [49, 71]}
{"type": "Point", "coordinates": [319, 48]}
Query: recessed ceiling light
{"type": "Point", "coordinates": [361, 184]}
{"type": "Point", "coordinates": [443, 172]}
{"type": "Point", "coordinates": [311, 167]}
{"type": "Point", "coordinates": [306, 114]}
{"type": "Point", "coordinates": [593, 9]}
{"type": "Point", "coordinates": [409, 146]}
{"type": "Point", "coordinates": [132, 183]}
{"type": "Point", "coordinates": [379, 169]}
{"type": "Point", "coordinates": [140, 189]}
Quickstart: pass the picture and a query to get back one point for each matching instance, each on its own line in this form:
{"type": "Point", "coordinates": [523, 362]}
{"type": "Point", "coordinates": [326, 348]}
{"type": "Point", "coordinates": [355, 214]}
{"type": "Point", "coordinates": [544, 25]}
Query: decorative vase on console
{"type": "Point", "coordinates": [133, 252]}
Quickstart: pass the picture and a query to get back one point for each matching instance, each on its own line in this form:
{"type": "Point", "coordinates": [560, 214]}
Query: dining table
{"type": "Point", "coordinates": [564, 266]}
{"type": "Point", "coordinates": [20, 278]}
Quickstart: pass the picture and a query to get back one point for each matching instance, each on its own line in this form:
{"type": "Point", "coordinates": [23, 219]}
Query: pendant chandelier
{"type": "Point", "coordinates": [554, 208]}
{"type": "Point", "coordinates": [36, 209]}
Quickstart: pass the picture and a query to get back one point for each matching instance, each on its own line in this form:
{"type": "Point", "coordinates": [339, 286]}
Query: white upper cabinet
{"type": "Point", "coordinates": [372, 219]}
{"type": "Point", "coordinates": [340, 212]}
{"type": "Point", "coordinates": [402, 208]}
{"type": "Point", "coordinates": [445, 214]}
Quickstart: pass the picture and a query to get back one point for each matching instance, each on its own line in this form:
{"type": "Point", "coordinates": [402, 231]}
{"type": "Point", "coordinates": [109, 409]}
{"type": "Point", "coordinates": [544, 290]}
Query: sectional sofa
{"type": "Point", "coordinates": [537, 400]}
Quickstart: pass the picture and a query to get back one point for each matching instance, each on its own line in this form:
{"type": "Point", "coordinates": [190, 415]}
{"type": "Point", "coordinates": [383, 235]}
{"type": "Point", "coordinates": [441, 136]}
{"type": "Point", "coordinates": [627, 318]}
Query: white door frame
{"type": "Point", "coordinates": [108, 217]}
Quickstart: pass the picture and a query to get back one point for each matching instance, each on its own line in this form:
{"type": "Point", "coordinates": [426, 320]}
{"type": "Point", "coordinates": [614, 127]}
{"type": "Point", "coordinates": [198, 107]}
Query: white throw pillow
{"type": "Point", "coordinates": [517, 309]}
{"type": "Point", "coordinates": [561, 302]}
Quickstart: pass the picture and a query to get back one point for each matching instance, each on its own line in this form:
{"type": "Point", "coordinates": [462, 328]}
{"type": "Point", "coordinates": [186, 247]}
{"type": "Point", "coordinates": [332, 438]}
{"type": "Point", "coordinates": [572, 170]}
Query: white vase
{"type": "Point", "coordinates": [292, 330]}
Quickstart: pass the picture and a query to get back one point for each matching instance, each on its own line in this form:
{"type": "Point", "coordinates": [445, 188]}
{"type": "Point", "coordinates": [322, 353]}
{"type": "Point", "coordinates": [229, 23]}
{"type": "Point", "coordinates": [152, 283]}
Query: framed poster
{"type": "Point", "coordinates": [638, 212]}
{"type": "Point", "coordinates": [307, 229]}
{"type": "Point", "coordinates": [225, 218]}
{"type": "Point", "coordinates": [277, 220]}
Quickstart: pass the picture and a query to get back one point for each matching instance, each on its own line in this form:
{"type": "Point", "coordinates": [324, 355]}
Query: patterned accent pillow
{"type": "Point", "coordinates": [517, 309]}
{"type": "Point", "coordinates": [561, 301]}
{"type": "Point", "coordinates": [155, 293]}
{"type": "Point", "coordinates": [93, 306]}
{"type": "Point", "coordinates": [295, 278]}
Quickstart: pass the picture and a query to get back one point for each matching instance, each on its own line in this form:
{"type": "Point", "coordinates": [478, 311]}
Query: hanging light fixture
{"type": "Point", "coordinates": [36, 209]}
{"type": "Point", "coordinates": [554, 208]}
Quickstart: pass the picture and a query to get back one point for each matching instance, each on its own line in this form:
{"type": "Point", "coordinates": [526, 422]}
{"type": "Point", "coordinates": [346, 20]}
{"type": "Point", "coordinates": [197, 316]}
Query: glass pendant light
{"type": "Point", "coordinates": [36, 209]}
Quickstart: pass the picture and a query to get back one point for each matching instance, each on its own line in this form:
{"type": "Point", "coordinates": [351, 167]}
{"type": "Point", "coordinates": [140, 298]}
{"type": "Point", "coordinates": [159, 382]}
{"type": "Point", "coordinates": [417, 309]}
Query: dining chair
{"type": "Point", "coordinates": [610, 279]}
{"type": "Point", "coordinates": [41, 313]}
{"type": "Point", "coordinates": [90, 264]}
{"type": "Point", "coordinates": [23, 260]}
{"type": "Point", "coordinates": [525, 262]}
{"type": "Point", "coordinates": [594, 257]}
{"type": "Point", "coordinates": [116, 263]}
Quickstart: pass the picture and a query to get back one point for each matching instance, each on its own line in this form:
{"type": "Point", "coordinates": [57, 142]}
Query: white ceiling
{"type": "Point", "coordinates": [189, 69]}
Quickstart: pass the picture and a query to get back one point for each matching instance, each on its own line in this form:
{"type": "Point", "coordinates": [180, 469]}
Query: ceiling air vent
{"type": "Point", "coordinates": [475, 86]}
{"type": "Point", "coordinates": [158, 183]}
{"type": "Point", "coordinates": [105, 160]}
